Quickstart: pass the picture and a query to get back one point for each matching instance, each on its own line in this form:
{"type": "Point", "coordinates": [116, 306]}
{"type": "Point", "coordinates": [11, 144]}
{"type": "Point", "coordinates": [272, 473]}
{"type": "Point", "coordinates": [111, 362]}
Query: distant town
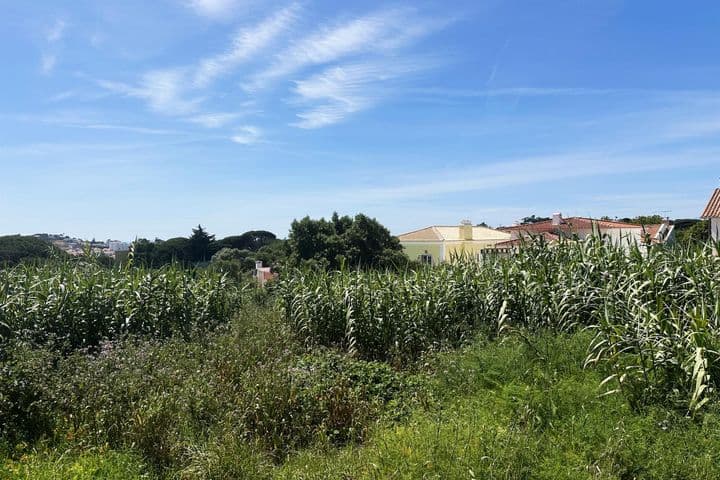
{"type": "Point", "coordinates": [78, 246]}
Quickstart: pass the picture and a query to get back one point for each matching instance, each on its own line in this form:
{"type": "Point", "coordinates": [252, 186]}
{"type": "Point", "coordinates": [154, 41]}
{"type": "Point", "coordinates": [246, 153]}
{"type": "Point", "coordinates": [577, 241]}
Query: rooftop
{"type": "Point", "coordinates": [712, 210]}
{"type": "Point", "coordinates": [451, 233]}
{"type": "Point", "coordinates": [568, 224]}
{"type": "Point", "coordinates": [547, 236]}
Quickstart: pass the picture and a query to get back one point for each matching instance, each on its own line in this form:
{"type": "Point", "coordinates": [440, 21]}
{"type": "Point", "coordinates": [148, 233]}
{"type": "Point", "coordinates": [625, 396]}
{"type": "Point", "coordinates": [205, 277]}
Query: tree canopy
{"type": "Point", "coordinates": [201, 247]}
{"type": "Point", "coordinates": [253, 240]}
{"type": "Point", "coordinates": [644, 219]}
{"type": "Point", "coordinates": [359, 241]}
{"type": "Point", "coordinates": [533, 219]}
{"type": "Point", "coordinates": [17, 248]}
{"type": "Point", "coordinates": [692, 232]}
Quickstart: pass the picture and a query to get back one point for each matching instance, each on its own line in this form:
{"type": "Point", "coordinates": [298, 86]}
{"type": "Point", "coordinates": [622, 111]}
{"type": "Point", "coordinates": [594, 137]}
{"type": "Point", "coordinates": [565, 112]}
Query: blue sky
{"type": "Point", "coordinates": [136, 118]}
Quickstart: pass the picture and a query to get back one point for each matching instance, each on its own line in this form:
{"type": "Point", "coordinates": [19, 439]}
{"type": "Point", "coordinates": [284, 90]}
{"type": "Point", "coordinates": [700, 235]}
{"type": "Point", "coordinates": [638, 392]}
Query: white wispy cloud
{"type": "Point", "coordinates": [340, 91]}
{"type": "Point", "coordinates": [214, 120]}
{"type": "Point", "coordinates": [515, 92]}
{"type": "Point", "coordinates": [86, 120]}
{"type": "Point", "coordinates": [47, 62]}
{"type": "Point", "coordinates": [247, 135]}
{"type": "Point", "coordinates": [79, 94]}
{"type": "Point", "coordinates": [246, 43]}
{"type": "Point", "coordinates": [64, 95]}
{"type": "Point", "coordinates": [165, 91]}
{"type": "Point", "coordinates": [515, 172]}
{"type": "Point", "coordinates": [692, 128]}
{"type": "Point", "coordinates": [376, 33]}
{"type": "Point", "coordinates": [175, 91]}
{"type": "Point", "coordinates": [128, 128]}
{"type": "Point", "coordinates": [326, 97]}
{"type": "Point", "coordinates": [56, 31]}
{"type": "Point", "coordinates": [53, 35]}
{"type": "Point", "coordinates": [216, 9]}
{"type": "Point", "coordinates": [529, 91]}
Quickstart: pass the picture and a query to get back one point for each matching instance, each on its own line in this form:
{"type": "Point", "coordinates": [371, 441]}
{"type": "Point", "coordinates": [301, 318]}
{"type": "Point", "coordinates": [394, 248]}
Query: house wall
{"type": "Point", "coordinates": [468, 248]}
{"type": "Point", "coordinates": [414, 249]}
{"type": "Point", "coordinates": [624, 236]}
{"type": "Point", "coordinates": [715, 228]}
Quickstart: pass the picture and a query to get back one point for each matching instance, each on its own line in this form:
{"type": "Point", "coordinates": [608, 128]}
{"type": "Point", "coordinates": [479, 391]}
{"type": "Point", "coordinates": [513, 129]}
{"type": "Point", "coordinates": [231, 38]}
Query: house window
{"type": "Point", "coordinates": [425, 259]}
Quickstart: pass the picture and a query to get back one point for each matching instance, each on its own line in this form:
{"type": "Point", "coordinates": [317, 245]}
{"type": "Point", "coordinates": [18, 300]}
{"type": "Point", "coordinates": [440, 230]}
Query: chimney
{"type": "Point", "coordinates": [466, 230]}
{"type": "Point", "coordinates": [557, 218]}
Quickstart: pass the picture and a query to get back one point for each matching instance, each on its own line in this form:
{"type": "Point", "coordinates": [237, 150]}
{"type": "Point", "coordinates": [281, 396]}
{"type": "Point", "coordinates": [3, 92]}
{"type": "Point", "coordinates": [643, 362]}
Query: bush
{"type": "Point", "coordinates": [174, 402]}
{"type": "Point", "coordinates": [26, 412]}
{"type": "Point", "coordinates": [90, 465]}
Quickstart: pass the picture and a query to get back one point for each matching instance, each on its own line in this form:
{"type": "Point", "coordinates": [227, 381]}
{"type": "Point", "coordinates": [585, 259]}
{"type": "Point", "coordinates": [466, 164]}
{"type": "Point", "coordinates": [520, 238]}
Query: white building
{"type": "Point", "coordinates": [118, 246]}
{"type": "Point", "coordinates": [712, 213]}
{"type": "Point", "coordinates": [618, 233]}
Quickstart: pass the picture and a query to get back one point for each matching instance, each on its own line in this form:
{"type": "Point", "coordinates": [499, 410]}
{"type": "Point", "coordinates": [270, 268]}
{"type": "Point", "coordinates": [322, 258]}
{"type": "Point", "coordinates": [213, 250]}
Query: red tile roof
{"type": "Point", "coordinates": [549, 238]}
{"type": "Point", "coordinates": [712, 210]}
{"type": "Point", "coordinates": [567, 225]}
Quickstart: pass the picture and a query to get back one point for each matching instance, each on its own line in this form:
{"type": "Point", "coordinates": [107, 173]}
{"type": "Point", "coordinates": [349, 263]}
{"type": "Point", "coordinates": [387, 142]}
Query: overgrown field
{"type": "Point", "coordinates": [493, 370]}
{"type": "Point", "coordinates": [653, 314]}
{"type": "Point", "coordinates": [68, 306]}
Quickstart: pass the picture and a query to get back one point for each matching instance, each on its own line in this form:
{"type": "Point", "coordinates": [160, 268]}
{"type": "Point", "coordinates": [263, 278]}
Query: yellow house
{"type": "Point", "coordinates": [436, 244]}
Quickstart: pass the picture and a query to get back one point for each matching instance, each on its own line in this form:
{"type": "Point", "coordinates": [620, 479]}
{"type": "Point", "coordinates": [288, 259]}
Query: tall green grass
{"type": "Point", "coordinates": [79, 305]}
{"type": "Point", "coordinates": [654, 310]}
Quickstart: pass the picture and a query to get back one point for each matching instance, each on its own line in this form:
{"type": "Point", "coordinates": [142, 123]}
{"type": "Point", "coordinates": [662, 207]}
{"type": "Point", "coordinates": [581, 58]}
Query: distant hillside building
{"type": "Point", "coordinates": [712, 213]}
{"type": "Point", "coordinates": [437, 244]}
{"type": "Point", "coordinates": [581, 227]}
{"type": "Point", "coordinates": [118, 246]}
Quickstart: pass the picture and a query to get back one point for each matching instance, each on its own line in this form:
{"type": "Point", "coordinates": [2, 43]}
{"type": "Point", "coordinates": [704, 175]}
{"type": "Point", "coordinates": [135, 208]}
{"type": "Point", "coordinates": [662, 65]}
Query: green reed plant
{"type": "Point", "coordinates": [81, 304]}
{"type": "Point", "coordinates": [654, 311]}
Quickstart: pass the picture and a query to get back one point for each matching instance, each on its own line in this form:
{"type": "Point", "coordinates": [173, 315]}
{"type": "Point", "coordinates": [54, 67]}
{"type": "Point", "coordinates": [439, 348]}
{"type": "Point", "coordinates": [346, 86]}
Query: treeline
{"type": "Point", "coordinates": [17, 248]}
{"type": "Point", "coordinates": [358, 241]}
{"type": "Point", "coordinates": [201, 247]}
{"type": "Point", "coordinates": [354, 242]}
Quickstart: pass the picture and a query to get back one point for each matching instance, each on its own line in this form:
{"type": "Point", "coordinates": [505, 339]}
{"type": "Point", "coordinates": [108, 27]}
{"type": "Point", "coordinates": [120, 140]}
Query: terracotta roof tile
{"type": "Point", "coordinates": [652, 230]}
{"type": "Point", "coordinates": [568, 225]}
{"type": "Point", "coordinates": [712, 209]}
{"type": "Point", "coordinates": [549, 238]}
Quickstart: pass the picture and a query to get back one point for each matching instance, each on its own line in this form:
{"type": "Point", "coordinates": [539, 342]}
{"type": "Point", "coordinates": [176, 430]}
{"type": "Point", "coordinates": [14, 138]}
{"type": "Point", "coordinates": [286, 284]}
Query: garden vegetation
{"type": "Point", "coordinates": [579, 360]}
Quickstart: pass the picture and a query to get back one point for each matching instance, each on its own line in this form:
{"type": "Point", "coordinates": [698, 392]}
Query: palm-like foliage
{"type": "Point", "coordinates": [655, 311]}
{"type": "Point", "coordinates": [79, 305]}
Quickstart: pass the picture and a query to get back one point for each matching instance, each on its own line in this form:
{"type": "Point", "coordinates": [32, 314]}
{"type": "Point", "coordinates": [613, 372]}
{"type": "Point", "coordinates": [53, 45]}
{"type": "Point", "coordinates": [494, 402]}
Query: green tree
{"type": "Point", "coordinates": [341, 224]}
{"type": "Point", "coordinates": [143, 252]}
{"type": "Point", "coordinates": [199, 245]}
{"type": "Point", "coordinates": [17, 248]}
{"type": "Point", "coordinates": [253, 240]}
{"type": "Point", "coordinates": [360, 241]}
{"type": "Point", "coordinates": [534, 219]}
{"type": "Point", "coordinates": [233, 261]}
{"type": "Point", "coordinates": [313, 241]}
{"type": "Point", "coordinates": [171, 250]}
{"type": "Point", "coordinates": [369, 243]}
{"type": "Point", "coordinates": [644, 219]}
{"type": "Point", "coordinates": [274, 254]}
{"type": "Point", "coordinates": [695, 232]}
